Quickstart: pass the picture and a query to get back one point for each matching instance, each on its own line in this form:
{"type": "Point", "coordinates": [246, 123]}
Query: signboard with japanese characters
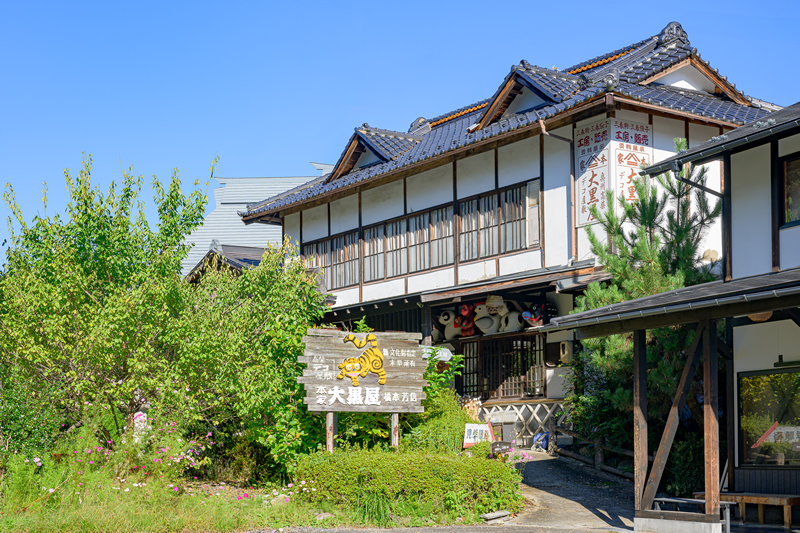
{"type": "Point", "coordinates": [475, 433]}
{"type": "Point", "coordinates": [364, 372]}
{"type": "Point", "coordinates": [632, 146]}
{"type": "Point", "coordinates": [592, 165]}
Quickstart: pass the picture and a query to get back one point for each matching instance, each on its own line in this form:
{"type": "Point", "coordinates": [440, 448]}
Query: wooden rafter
{"type": "Point", "coordinates": [501, 102]}
{"type": "Point", "coordinates": [793, 314]}
{"type": "Point", "coordinates": [349, 159]}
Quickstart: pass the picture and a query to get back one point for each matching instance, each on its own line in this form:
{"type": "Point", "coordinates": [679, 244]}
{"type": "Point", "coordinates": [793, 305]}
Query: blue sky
{"type": "Point", "coordinates": [268, 87]}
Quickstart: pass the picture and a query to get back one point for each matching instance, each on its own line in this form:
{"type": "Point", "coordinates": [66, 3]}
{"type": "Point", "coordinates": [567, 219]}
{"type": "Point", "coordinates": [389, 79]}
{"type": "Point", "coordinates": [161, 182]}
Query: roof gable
{"type": "Point", "coordinates": [368, 146]}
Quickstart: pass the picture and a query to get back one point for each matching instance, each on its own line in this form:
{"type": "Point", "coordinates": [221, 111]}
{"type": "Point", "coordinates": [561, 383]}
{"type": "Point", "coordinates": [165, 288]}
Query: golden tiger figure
{"type": "Point", "coordinates": [370, 360]}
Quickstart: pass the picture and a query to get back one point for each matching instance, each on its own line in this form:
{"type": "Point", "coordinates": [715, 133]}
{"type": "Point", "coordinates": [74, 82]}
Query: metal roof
{"type": "Point", "coordinates": [753, 289]}
{"type": "Point", "coordinates": [753, 133]}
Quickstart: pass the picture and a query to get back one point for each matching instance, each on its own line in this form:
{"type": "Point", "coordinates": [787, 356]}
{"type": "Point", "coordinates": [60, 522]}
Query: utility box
{"type": "Point", "coordinates": [566, 352]}
{"type": "Point", "coordinates": [503, 425]}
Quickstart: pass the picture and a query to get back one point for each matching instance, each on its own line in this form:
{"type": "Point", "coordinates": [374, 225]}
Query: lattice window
{"type": "Point", "coordinates": [373, 253]}
{"type": "Point", "coordinates": [344, 261]}
{"type": "Point", "coordinates": [513, 230]}
{"type": "Point", "coordinates": [319, 255]}
{"type": "Point", "coordinates": [419, 235]}
{"type": "Point", "coordinates": [489, 220]}
{"type": "Point", "coordinates": [468, 234]}
{"type": "Point", "coordinates": [396, 249]}
{"type": "Point", "coordinates": [441, 237]}
{"type": "Point", "coordinates": [505, 367]}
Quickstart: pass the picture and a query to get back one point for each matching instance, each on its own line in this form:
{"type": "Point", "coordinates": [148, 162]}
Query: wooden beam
{"type": "Point", "coordinates": [777, 206]}
{"type": "Point", "coordinates": [730, 407]}
{"type": "Point", "coordinates": [497, 103]}
{"type": "Point", "coordinates": [639, 415]}
{"type": "Point", "coordinates": [724, 86]}
{"type": "Point", "coordinates": [673, 419]}
{"type": "Point", "coordinates": [727, 221]}
{"type": "Point", "coordinates": [724, 349]}
{"type": "Point", "coordinates": [793, 314]}
{"type": "Point", "coordinates": [687, 317]}
{"type": "Point", "coordinates": [669, 70]}
{"type": "Point", "coordinates": [710, 417]}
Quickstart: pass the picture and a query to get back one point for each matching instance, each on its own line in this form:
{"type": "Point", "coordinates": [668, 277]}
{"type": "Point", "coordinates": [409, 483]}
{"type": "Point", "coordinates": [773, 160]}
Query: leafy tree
{"type": "Point", "coordinates": [652, 247]}
{"type": "Point", "coordinates": [94, 308]}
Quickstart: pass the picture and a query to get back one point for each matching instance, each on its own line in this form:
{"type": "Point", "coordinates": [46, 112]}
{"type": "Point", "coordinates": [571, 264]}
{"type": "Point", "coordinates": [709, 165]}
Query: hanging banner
{"type": "Point", "coordinates": [363, 372]}
{"type": "Point", "coordinates": [592, 168]}
{"type": "Point", "coordinates": [632, 145]}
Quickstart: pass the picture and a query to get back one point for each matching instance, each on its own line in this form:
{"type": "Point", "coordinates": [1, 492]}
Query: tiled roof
{"type": "Point", "coordinates": [620, 72]}
{"type": "Point", "coordinates": [554, 84]}
{"type": "Point", "coordinates": [387, 144]}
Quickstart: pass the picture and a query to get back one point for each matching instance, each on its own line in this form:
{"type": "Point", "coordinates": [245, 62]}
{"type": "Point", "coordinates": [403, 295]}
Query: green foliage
{"type": "Point", "coordinates": [360, 475]}
{"type": "Point", "coordinates": [29, 418]}
{"type": "Point", "coordinates": [361, 326]}
{"type": "Point", "coordinates": [442, 430]}
{"type": "Point", "coordinates": [687, 466]}
{"type": "Point", "coordinates": [652, 246]}
{"type": "Point", "coordinates": [94, 309]}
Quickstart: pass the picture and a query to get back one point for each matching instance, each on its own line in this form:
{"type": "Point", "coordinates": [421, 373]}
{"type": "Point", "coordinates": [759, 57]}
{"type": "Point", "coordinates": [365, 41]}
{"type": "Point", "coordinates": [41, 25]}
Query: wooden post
{"type": "Point", "coordinates": [598, 454]}
{"type": "Point", "coordinates": [552, 440]}
{"type": "Point", "coordinates": [639, 415]}
{"type": "Point", "coordinates": [710, 417]}
{"type": "Point", "coordinates": [330, 431]}
{"type": "Point", "coordinates": [730, 406]}
{"type": "Point", "coordinates": [395, 430]}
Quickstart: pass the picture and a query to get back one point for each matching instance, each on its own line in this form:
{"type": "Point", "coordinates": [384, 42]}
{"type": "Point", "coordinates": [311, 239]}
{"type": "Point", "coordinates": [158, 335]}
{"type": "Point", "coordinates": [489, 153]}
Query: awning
{"type": "Point", "coordinates": [743, 296]}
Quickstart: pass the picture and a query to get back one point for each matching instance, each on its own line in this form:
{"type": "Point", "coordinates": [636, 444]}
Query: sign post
{"type": "Point", "coordinates": [364, 373]}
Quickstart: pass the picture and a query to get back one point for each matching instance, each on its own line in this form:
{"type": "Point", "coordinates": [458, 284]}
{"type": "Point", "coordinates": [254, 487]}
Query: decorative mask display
{"type": "Point", "coordinates": [452, 324]}
{"type": "Point", "coordinates": [512, 322]}
{"type": "Point", "coordinates": [485, 321]}
{"type": "Point", "coordinates": [467, 320]}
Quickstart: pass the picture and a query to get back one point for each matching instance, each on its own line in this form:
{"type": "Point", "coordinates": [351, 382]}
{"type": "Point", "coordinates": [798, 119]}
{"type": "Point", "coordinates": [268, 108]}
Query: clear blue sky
{"type": "Point", "coordinates": [269, 87]}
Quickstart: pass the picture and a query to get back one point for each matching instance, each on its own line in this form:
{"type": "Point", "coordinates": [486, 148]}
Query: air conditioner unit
{"type": "Point", "coordinates": [566, 352]}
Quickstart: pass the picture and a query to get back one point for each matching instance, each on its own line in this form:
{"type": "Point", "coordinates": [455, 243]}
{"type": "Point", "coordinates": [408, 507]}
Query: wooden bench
{"type": "Point", "coordinates": [725, 507]}
{"type": "Point", "coordinates": [743, 498]}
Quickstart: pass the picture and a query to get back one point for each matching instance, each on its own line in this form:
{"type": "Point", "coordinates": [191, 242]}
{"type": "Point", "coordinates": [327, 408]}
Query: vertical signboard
{"type": "Point", "coordinates": [592, 162]}
{"type": "Point", "coordinates": [632, 146]}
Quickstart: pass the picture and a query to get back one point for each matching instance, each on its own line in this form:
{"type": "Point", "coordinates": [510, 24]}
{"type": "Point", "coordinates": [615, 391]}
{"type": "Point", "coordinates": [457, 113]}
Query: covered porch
{"type": "Point", "coordinates": [743, 302]}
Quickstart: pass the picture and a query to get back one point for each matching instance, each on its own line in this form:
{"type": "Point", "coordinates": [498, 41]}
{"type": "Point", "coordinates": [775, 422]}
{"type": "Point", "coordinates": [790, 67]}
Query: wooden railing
{"type": "Point", "coordinates": [599, 448]}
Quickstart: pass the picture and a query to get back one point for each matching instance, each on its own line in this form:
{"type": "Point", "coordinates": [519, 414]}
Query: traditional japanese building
{"type": "Point", "coordinates": [471, 226]}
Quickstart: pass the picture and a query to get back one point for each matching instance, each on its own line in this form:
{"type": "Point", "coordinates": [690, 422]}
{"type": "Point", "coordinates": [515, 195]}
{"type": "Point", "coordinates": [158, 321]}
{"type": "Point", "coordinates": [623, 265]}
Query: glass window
{"type": "Point", "coordinates": [769, 411]}
{"type": "Point", "coordinates": [396, 250]}
{"type": "Point", "coordinates": [319, 255]}
{"type": "Point", "coordinates": [791, 190]}
{"type": "Point", "coordinates": [373, 253]}
{"type": "Point", "coordinates": [533, 213]}
{"type": "Point", "coordinates": [442, 237]}
{"type": "Point", "coordinates": [468, 236]}
{"type": "Point", "coordinates": [513, 227]}
{"type": "Point", "coordinates": [419, 242]}
{"type": "Point", "coordinates": [344, 260]}
{"type": "Point", "coordinates": [489, 219]}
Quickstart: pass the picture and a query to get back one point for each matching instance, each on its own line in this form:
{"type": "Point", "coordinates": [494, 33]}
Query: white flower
{"type": "Point", "coordinates": [126, 490]}
{"type": "Point", "coordinates": [51, 490]}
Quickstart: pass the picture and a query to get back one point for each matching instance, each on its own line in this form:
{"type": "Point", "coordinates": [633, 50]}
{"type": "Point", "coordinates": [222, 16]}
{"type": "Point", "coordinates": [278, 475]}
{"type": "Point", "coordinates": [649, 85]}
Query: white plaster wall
{"type": "Point", "coordinates": [556, 198]}
{"type": "Point", "coordinates": [665, 131]}
{"type": "Point", "coordinates": [384, 289]}
{"type": "Point", "coordinates": [557, 382]}
{"type": "Point", "coordinates": [367, 158]}
{"type": "Point", "coordinates": [518, 162]}
{"type": "Point", "coordinates": [789, 145]}
{"type": "Point", "coordinates": [564, 302]}
{"type": "Point", "coordinates": [523, 102]}
{"type": "Point", "coordinates": [315, 223]}
{"type": "Point", "coordinates": [346, 297]}
{"type": "Point", "coordinates": [699, 134]}
{"type": "Point", "coordinates": [751, 208]}
{"type": "Point", "coordinates": [430, 188]}
{"type": "Point", "coordinates": [688, 77]}
{"type": "Point", "coordinates": [584, 246]}
{"type": "Point", "coordinates": [559, 336]}
{"type": "Point", "coordinates": [635, 116]}
{"type": "Point", "coordinates": [790, 247]}
{"type": "Point", "coordinates": [382, 203]}
{"type": "Point", "coordinates": [344, 214]}
{"type": "Point", "coordinates": [520, 262]}
{"type": "Point", "coordinates": [469, 272]}
{"type": "Point", "coordinates": [475, 174]}
{"type": "Point", "coordinates": [431, 280]}
{"type": "Point", "coordinates": [291, 228]}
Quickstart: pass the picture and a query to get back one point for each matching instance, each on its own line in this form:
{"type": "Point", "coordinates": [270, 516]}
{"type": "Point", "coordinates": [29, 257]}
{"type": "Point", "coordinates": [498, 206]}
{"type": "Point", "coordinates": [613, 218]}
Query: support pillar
{"type": "Point", "coordinates": [395, 430]}
{"type": "Point", "coordinates": [711, 417]}
{"type": "Point", "coordinates": [639, 415]}
{"type": "Point", "coordinates": [331, 423]}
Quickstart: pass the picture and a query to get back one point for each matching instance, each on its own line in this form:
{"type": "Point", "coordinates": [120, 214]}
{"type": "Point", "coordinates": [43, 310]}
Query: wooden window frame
{"type": "Point", "coordinates": [782, 168]}
{"type": "Point", "coordinates": [329, 275]}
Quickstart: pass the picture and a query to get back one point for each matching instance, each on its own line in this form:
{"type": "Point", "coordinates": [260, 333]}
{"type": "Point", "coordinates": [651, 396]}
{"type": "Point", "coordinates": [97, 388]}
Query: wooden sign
{"type": "Point", "coordinates": [501, 446]}
{"type": "Point", "coordinates": [363, 372]}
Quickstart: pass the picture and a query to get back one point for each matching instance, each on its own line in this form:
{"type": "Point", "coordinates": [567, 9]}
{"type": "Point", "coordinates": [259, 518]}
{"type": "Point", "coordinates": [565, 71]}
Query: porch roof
{"type": "Point", "coordinates": [743, 296]}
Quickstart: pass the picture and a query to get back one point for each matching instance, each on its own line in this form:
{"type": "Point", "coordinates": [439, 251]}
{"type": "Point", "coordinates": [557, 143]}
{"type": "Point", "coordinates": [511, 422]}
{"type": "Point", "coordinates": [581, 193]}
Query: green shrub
{"type": "Point", "coordinates": [442, 429]}
{"type": "Point", "coordinates": [29, 421]}
{"type": "Point", "coordinates": [358, 477]}
{"type": "Point", "coordinates": [687, 466]}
